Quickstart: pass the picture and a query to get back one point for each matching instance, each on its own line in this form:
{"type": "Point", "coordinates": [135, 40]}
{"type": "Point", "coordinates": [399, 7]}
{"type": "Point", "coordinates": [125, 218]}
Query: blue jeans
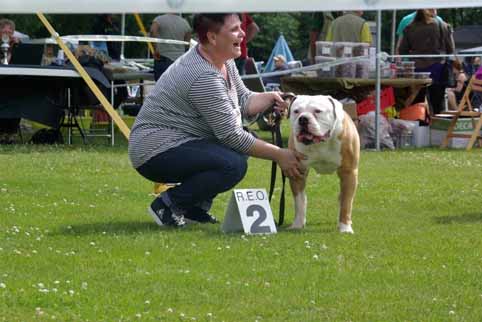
{"type": "Point", "coordinates": [203, 168]}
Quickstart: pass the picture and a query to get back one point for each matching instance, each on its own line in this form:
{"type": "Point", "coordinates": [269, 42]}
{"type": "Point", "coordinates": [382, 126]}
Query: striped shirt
{"type": "Point", "coordinates": [191, 101]}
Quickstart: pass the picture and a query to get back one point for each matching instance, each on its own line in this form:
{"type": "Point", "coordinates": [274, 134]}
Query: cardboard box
{"type": "Point", "coordinates": [439, 128]}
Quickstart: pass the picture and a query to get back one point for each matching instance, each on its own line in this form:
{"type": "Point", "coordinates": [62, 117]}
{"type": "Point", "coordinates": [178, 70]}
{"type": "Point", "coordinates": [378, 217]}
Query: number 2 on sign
{"type": "Point", "coordinates": [256, 227]}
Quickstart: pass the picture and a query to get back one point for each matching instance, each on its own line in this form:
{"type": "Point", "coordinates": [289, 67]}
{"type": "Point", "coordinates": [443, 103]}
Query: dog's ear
{"type": "Point", "coordinates": [337, 112]}
{"type": "Point", "coordinates": [334, 106]}
{"type": "Point", "coordinates": [288, 98]}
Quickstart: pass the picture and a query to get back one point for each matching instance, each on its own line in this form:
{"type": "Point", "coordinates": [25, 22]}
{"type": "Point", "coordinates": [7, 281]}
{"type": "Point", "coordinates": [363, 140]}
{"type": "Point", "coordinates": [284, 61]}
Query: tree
{"type": "Point", "coordinates": [271, 26]}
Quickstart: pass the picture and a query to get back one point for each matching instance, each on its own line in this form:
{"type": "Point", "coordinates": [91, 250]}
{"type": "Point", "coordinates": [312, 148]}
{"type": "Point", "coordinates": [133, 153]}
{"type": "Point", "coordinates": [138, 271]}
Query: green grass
{"type": "Point", "coordinates": [76, 244]}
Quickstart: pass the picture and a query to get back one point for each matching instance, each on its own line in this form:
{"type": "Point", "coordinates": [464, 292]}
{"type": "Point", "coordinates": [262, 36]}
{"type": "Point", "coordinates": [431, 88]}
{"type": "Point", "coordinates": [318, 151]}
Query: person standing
{"type": "Point", "coordinates": [350, 27]}
{"type": "Point", "coordinates": [168, 26]}
{"type": "Point", "coordinates": [406, 20]}
{"type": "Point", "coordinates": [250, 29]}
{"type": "Point", "coordinates": [190, 130]}
{"type": "Point", "coordinates": [428, 36]}
{"type": "Point", "coordinates": [319, 23]}
{"type": "Point", "coordinates": [105, 25]}
{"type": "Point", "coordinates": [7, 28]}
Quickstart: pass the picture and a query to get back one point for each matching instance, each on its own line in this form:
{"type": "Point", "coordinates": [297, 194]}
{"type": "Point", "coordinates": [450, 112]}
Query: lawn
{"type": "Point", "coordinates": [76, 244]}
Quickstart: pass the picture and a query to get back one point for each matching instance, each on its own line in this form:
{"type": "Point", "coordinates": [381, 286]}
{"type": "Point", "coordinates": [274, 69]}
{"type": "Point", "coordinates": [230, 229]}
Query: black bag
{"type": "Point", "coordinates": [47, 136]}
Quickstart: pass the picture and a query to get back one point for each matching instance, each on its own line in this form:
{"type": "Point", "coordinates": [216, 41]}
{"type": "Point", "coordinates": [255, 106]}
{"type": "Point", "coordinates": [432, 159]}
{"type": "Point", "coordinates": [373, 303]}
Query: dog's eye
{"type": "Point", "coordinates": [318, 111]}
{"type": "Point", "coordinates": [296, 112]}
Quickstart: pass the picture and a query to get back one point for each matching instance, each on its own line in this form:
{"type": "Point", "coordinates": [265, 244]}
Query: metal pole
{"type": "Point", "coordinates": [112, 92]}
{"type": "Point", "coordinates": [123, 31]}
{"type": "Point", "coordinates": [377, 87]}
{"type": "Point", "coordinates": [394, 30]}
{"type": "Point", "coordinates": [69, 118]}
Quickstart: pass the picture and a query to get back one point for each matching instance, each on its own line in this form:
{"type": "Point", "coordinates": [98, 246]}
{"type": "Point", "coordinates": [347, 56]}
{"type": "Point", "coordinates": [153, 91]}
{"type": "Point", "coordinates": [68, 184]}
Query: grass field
{"type": "Point", "coordinates": [76, 244]}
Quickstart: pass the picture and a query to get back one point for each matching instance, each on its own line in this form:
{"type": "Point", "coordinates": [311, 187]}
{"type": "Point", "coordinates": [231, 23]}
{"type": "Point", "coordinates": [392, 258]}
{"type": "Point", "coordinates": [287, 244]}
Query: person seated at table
{"type": "Point", "coordinates": [8, 126]}
{"type": "Point", "coordinates": [7, 28]}
{"type": "Point", "coordinates": [454, 95]}
{"type": "Point", "coordinates": [279, 65]}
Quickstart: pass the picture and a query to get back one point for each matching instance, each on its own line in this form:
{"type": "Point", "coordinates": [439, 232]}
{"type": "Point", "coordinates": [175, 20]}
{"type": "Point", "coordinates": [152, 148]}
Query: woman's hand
{"type": "Point", "coordinates": [280, 105]}
{"type": "Point", "coordinates": [290, 163]}
{"type": "Point", "coordinates": [260, 102]}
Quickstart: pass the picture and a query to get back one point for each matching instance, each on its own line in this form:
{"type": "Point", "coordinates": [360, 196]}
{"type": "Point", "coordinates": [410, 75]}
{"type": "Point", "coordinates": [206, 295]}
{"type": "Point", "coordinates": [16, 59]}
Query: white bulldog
{"type": "Point", "coordinates": [325, 133]}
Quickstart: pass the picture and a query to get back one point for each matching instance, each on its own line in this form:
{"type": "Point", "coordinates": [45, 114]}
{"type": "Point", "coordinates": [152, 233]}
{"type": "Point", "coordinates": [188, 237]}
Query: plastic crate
{"type": "Point", "coordinates": [387, 99]}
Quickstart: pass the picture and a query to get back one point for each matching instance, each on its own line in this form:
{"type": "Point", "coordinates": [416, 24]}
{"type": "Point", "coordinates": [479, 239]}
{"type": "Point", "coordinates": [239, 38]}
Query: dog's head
{"type": "Point", "coordinates": [313, 118]}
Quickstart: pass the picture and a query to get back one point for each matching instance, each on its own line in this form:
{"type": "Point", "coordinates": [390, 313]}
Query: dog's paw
{"type": "Point", "coordinates": [296, 226]}
{"type": "Point", "coordinates": [344, 228]}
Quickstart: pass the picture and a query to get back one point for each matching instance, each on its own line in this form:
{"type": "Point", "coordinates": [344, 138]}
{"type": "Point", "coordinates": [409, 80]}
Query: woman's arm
{"type": "Point", "coordinates": [403, 47]}
{"type": "Point", "coordinates": [260, 102]}
{"type": "Point", "coordinates": [449, 39]}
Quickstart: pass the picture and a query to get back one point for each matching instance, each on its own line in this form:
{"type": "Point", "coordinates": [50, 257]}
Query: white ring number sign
{"type": "Point", "coordinates": [249, 210]}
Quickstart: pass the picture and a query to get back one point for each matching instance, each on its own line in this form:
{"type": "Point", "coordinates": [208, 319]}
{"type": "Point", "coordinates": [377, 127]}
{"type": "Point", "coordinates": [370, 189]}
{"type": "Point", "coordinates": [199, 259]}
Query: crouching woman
{"type": "Point", "coordinates": [189, 130]}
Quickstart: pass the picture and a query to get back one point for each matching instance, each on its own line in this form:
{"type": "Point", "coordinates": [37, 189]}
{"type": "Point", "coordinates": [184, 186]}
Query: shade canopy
{"type": "Point", "coordinates": [191, 6]}
{"type": "Point", "coordinates": [468, 36]}
{"type": "Point", "coordinates": [280, 48]}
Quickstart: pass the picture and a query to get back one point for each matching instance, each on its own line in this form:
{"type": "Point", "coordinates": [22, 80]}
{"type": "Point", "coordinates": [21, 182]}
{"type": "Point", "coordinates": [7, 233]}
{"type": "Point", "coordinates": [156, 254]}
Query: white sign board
{"type": "Point", "coordinates": [249, 211]}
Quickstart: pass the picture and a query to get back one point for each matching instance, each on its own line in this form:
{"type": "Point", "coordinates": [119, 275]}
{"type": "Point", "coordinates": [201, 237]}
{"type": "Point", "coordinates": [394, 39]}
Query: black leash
{"type": "Point", "coordinates": [274, 120]}
{"type": "Point", "coordinates": [277, 140]}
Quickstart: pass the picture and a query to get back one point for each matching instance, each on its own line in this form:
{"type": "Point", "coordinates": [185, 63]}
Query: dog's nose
{"type": "Point", "coordinates": [303, 120]}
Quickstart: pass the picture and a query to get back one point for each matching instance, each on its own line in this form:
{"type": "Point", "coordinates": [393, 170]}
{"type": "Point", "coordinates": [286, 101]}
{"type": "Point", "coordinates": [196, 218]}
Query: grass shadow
{"type": "Point", "coordinates": [131, 228]}
{"type": "Point", "coordinates": [459, 219]}
{"type": "Point", "coordinates": [137, 227]}
{"type": "Point", "coordinates": [111, 227]}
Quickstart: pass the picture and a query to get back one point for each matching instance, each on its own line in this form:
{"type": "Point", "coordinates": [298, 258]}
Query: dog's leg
{"type": "Point", "coordinates": [300, 201]}
{"type": "Point", "coordinates": [298, 191]}
{"type": "Point", "coordinates": [348, 184]}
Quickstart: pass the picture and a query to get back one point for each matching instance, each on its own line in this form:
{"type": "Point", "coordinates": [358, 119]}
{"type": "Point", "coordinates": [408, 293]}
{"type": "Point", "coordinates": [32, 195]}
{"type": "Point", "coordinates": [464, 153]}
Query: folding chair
{"type": "Point", "coordinates": [81, 103]}
{"type": "Point", "coordinates": [465, 109]}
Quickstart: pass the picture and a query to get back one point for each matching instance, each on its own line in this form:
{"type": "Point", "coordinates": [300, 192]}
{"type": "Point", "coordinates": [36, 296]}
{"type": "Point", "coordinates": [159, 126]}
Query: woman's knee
{"type": "Point", "coordinates": [452, 102]}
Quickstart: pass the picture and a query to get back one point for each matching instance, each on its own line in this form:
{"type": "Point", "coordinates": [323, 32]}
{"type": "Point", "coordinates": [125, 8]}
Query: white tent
{"type": "Point", "coordinates": [193, 6]}
{"type": "Point", "coordinates": [476, 50]}
{"type": "Point", "coordinates": [155, 6]}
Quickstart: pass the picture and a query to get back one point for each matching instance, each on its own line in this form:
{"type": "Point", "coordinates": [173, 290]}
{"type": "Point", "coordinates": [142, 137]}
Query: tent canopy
{"type": "Point", "coordinates": [475, 50]}
{"type": "Point", "coordinates": [468, 36]}
{"type": "Point", "coordinates": [187, 6]}
{"type": "Point", "coordinates": [280, 48]}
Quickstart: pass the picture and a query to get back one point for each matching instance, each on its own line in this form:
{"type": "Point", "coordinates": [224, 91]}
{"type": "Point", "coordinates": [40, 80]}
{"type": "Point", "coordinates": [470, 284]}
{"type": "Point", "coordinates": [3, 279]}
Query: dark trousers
{"type": "Point", "coordinates": [160, 66]}
{"type": "Point", "coordinates": [9, 126]}
{"type": "Point", "coordinates": [203, 168]}
{"type": "Point", "coordinates": [435, 92]}
{"type": "Point", "coordinates": [436, 98]}
{"type": "Point", "coordinates": [435, 95]}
